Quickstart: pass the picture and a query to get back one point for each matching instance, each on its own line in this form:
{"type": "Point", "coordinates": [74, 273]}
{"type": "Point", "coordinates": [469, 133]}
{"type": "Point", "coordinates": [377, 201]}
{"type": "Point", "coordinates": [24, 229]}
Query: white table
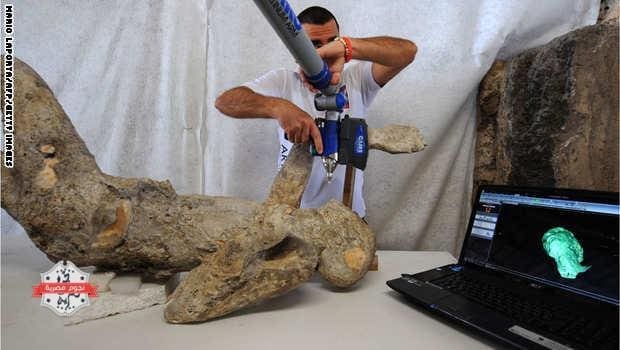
{"type": "Point", "coordinates": [369, 316]}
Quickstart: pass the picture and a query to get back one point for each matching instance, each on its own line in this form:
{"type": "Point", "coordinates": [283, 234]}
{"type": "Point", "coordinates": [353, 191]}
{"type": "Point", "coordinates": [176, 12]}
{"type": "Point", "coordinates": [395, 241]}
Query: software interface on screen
{"type": "Point", "coordinates": [571, 244]}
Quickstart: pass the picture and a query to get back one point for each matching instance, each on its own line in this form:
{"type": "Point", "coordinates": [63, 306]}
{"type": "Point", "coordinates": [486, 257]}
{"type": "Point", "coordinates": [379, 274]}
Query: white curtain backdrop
{"type": "Point", "coordinates": [139, 78]}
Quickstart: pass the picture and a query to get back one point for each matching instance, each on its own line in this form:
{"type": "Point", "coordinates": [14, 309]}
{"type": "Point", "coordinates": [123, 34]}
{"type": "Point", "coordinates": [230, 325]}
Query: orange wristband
{"type": "Point", "coordinates": [348, 49]}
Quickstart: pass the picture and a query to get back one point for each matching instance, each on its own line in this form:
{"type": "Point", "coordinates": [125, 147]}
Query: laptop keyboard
{"type": "Point", "coordinates": [543, 316]}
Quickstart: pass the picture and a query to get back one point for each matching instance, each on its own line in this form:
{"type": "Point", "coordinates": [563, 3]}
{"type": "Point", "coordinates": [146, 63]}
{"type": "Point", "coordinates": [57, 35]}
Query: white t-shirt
{"type": "Point", "coordinates": [361, 89]}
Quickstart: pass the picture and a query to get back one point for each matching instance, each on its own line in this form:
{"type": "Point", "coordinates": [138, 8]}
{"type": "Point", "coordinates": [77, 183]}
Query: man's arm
{"type": "Point", "coordinates": [242, 102]}
{"type": "Point", "coordinates": [388, 54]}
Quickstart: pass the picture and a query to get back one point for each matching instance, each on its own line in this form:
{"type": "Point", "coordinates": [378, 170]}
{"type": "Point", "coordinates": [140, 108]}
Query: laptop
{"type": "Point", "coordinates": [538, 269]}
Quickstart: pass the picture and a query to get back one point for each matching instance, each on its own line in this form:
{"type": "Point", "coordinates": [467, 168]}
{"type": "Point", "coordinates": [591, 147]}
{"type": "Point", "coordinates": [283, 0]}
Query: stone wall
{"type": "Point", "coordinates": [609, 9]}
{"type": "Point", "coordinates": [549, 116]}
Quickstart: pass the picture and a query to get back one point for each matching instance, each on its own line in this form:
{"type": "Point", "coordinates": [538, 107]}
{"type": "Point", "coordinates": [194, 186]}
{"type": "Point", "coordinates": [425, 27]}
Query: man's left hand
{"type": "Point", "coordinates": [334, 54]}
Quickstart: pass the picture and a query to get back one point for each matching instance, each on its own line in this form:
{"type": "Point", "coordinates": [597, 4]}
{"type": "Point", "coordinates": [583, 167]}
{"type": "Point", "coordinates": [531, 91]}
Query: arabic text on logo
{"type": "Point", "coordinates": [64, 288]}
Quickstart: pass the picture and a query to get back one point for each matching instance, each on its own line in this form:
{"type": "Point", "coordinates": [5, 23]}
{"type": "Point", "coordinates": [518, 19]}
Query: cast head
{"type": "Point", "coordinates": [563, 247]}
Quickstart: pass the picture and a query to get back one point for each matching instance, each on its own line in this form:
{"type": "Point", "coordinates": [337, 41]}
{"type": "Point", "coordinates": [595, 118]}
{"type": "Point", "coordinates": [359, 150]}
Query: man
{"type": "Point", "coordinates": [287, 97]}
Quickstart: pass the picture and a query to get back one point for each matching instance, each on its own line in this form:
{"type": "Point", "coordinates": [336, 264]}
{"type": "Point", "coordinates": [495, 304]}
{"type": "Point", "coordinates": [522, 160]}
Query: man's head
{"type": "Point", "coordinates": [320, 25]}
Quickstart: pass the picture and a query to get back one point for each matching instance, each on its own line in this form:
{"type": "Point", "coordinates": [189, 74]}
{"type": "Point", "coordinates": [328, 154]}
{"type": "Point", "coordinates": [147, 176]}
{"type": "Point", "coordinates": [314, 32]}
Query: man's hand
{"type": "Point", "coordinates": [242, 102]}
{"type": "Point", "coordinates": [304, 79]}
{"type": "Point", "coordinates": [297, 124]}
{"type": "Point", "coordinates": [334, 55]}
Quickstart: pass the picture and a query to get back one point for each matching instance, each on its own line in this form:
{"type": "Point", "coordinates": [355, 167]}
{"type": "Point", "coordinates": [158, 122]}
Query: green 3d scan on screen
{"type": "Point", "coordinates": [563, 247]}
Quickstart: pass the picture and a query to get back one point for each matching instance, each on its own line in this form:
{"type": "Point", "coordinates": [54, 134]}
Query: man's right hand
{"type": "Point", "coordinates": [298, 125]}
{"type": "Point", "coordinates": [242, 102]}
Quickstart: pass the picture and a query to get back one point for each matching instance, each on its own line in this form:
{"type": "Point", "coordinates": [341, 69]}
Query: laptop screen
{"type": "Point", "coordinates": [567, 239]}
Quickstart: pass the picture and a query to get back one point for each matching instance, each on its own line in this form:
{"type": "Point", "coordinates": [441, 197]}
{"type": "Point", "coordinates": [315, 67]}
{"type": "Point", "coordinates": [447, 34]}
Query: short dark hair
{"type": "Point", "coordinates": [316, 15]}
